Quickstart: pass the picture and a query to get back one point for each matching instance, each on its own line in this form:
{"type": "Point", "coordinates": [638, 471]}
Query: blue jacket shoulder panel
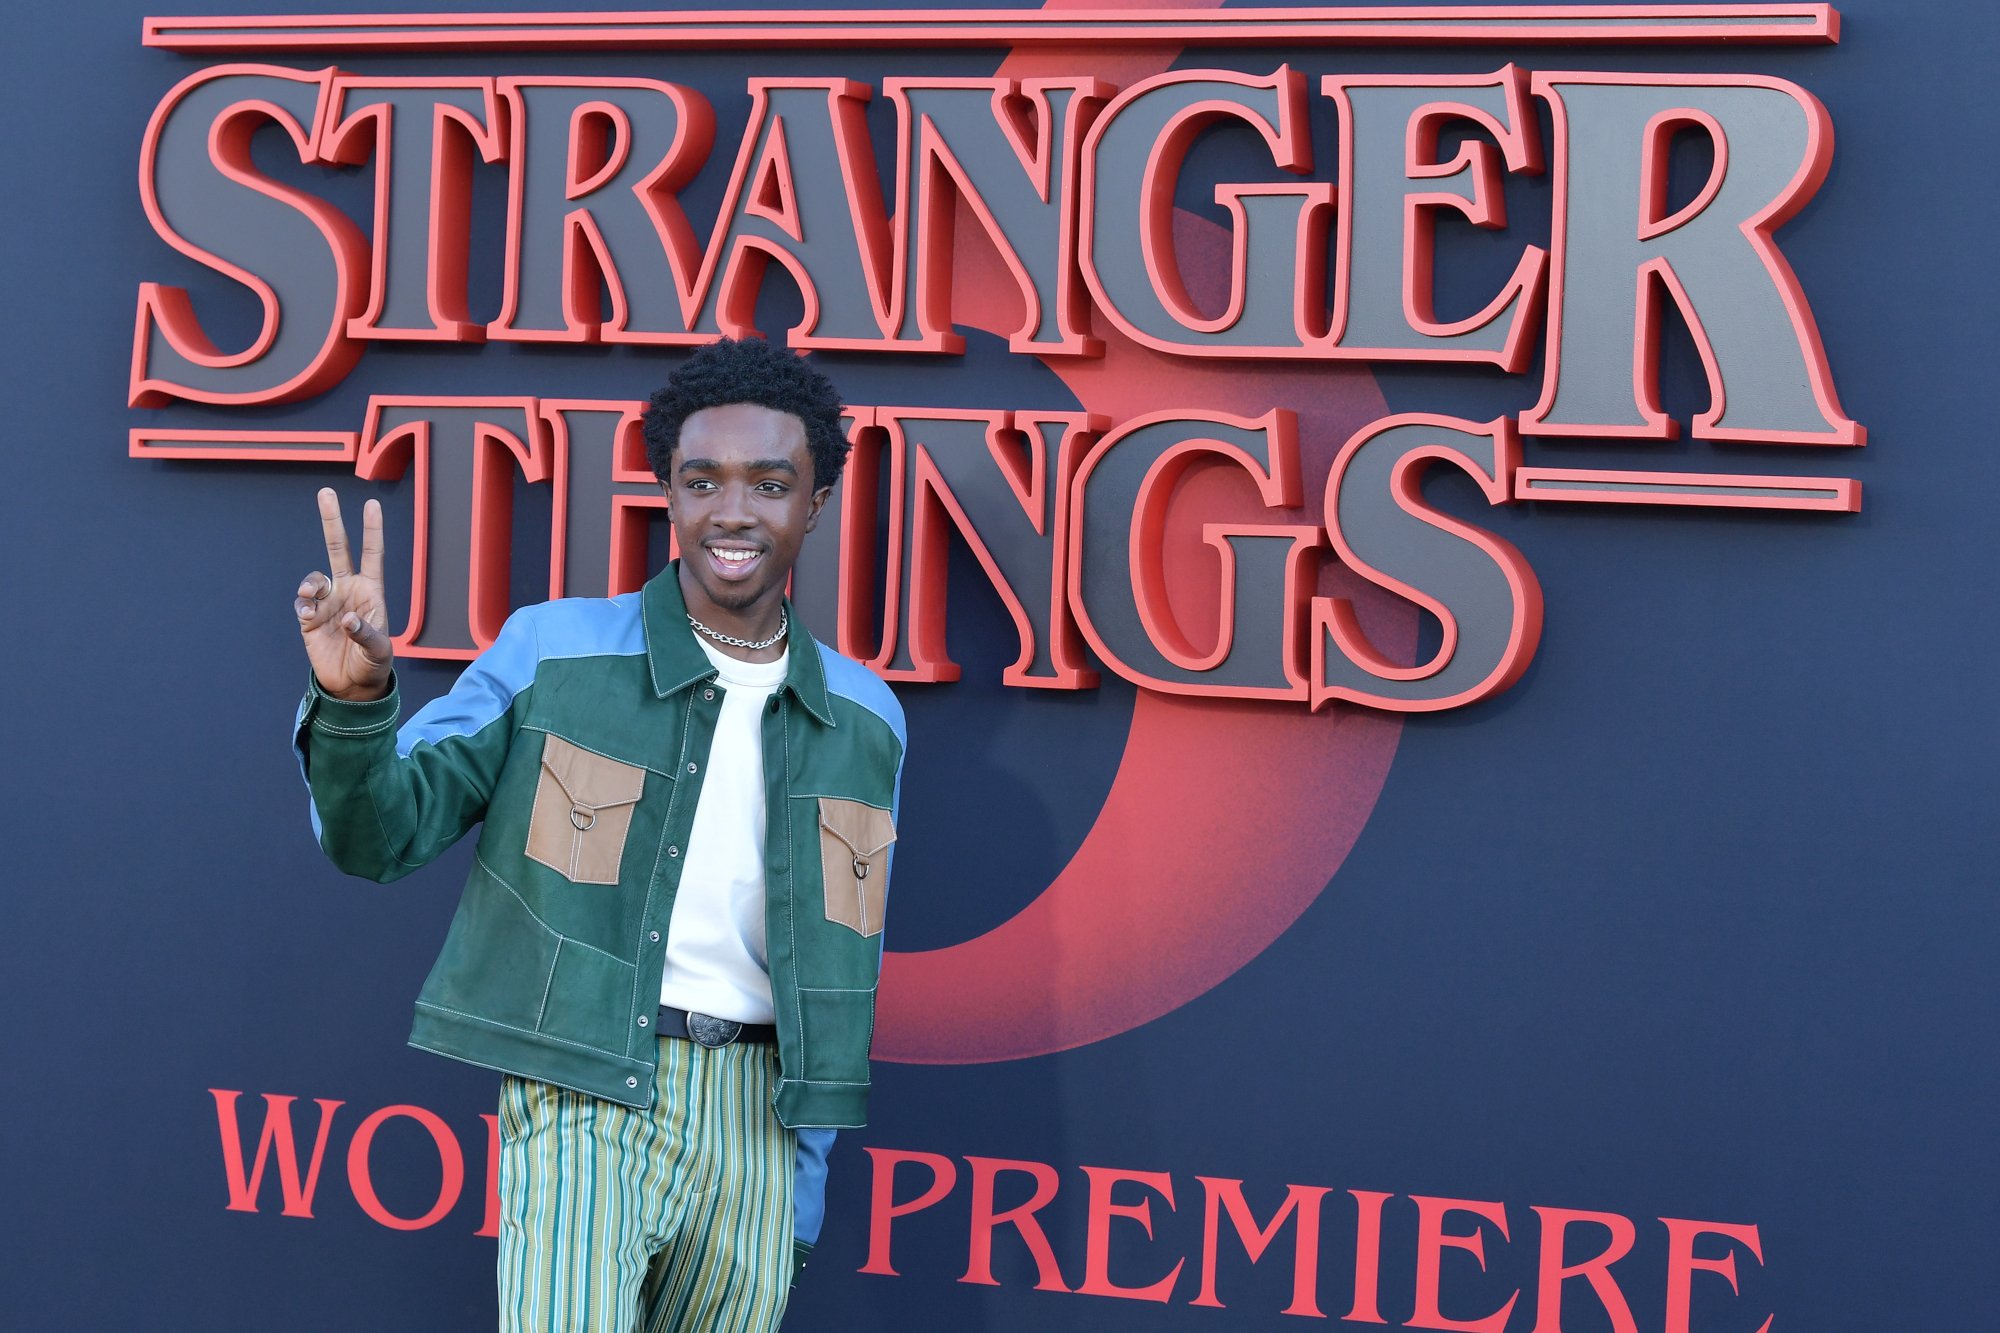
{"type": "Point", "coordinates": [848, 679]}
{"type": "Point", "coordinates": [571, 627]}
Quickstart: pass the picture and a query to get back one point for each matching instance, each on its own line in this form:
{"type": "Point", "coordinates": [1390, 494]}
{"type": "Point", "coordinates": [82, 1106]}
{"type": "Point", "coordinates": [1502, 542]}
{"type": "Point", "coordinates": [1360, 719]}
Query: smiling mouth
{"type": "Point", "coordinates": [733, 560]}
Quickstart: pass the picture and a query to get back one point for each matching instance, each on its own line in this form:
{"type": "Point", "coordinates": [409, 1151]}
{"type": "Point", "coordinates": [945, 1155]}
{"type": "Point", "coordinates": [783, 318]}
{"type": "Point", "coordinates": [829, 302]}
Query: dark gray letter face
{"type": "Point", "coordinates": [1479, 587]}
{"type": "Point", "coordinates": [300, 256]}
{"type": "Point", "coordinates": [1391, 186]}
{"type": "Point", "coordinates": [1618, 259]}
{"type": "Point", "coordinates": [597, 164]}
{"type": "Point", "coordinates": [1134, 157]}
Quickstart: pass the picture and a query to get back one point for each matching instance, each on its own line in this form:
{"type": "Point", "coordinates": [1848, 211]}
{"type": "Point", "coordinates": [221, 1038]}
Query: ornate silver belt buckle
{"type": "Point", "coordinates": [712, 1032]}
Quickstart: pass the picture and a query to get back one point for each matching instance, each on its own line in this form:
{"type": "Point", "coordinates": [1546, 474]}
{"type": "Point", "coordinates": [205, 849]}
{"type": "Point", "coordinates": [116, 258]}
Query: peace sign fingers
{"type": "Point", "coordinates": [342, 613]}
{"type": "Point", "coordinates": [335, 531]}
{"type": "Point", "coordinates": [371, 540]}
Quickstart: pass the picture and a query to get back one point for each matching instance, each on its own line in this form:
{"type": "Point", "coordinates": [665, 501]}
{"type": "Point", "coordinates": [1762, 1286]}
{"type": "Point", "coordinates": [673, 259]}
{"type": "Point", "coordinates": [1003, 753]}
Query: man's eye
{"type": "Point", "coordinates": [772, 487]}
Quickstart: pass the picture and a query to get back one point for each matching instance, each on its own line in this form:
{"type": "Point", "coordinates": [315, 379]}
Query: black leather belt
{"type": "Point", "coordinates": [705, 1030]}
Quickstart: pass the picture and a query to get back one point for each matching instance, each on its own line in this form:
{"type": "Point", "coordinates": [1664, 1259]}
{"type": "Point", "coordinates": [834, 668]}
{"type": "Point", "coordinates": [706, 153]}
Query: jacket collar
{"type": "Point", "coordinates": [676, 660]}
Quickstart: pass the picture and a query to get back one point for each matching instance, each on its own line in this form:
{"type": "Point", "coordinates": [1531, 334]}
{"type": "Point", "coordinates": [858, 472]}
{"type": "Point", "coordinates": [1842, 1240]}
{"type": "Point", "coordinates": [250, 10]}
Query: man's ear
{"type": "Point", "coordinates": [818, 503]}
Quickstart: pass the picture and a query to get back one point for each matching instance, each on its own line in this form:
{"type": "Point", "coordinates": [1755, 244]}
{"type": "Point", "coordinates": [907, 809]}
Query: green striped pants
{"type": "Point", "coordinates": [673, 1220]}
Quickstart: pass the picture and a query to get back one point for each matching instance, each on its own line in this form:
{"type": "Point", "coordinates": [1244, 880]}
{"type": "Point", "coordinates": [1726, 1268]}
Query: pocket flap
{"type": "Point", "coordinates": [863, 829]}
{"type": "Point", "coordinates": [591, 780]}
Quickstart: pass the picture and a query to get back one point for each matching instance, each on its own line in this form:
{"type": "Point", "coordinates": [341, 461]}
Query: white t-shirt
{"type": "Point", "coordinates": [716, 961]}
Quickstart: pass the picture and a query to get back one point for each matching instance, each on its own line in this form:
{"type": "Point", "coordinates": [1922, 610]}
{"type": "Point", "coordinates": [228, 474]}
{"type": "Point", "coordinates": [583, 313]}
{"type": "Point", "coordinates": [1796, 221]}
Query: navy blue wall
{"type": "Point", "coordinates": [1696, 921]}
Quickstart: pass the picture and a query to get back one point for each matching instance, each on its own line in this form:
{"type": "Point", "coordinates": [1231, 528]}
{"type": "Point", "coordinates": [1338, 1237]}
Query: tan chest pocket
{"type": "Point", "coordinates": [854, 843]}
{"type": "Point", "coordinates": [583, 810]}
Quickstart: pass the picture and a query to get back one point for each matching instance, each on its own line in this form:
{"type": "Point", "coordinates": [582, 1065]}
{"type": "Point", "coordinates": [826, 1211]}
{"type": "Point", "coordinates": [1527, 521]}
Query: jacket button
{"type": "Point", "coordinates": [656, 940]}
{"type": "Point", "coordinates": [673, 851]}
{"type": "Point", "coordinates": [642, 1020]}
{"type": "Point", "coordinates": [691, 768]}
{"type": "Point", "coordinates": [708, 694]}
{"type": "Point", "coordinates": [631, 1082]}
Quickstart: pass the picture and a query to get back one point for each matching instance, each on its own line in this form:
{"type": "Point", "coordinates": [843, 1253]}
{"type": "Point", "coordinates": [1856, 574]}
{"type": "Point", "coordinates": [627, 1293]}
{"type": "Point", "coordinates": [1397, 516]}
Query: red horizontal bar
{"type": "Point", "coordinates": [1715, 490]}
{"type": "Point", "coordinates": [249, 446]}
{"type": "Point", "coordinates": [1423, 25]}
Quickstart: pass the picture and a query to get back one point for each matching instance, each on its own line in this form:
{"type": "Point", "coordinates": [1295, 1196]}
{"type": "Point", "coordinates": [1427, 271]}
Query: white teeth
{"type": "Point", "coordinates": [733, 557]}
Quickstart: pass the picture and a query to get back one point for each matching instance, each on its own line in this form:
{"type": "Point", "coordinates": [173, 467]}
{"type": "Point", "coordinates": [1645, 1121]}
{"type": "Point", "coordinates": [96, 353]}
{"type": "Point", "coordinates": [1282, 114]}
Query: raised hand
{"type": "Point", "coordinates": [343, 616]}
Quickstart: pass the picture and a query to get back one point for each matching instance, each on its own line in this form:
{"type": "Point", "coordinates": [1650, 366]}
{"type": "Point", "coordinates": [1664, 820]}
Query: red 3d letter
{"type": "Point", "coordinates": [1391, 189]}
{"type": "Point", "coordinates": [1619, 257]}
{"type": "Point", "coordinates": [422, 134]}
{"type": "Point", "coordinates": [299, 256]}
{"type": "Point", "coordinates": [1011, 153]}
{"type": "Point", "coordinates": [593, 206]}
{"type": "Point", "coordinates": [1132, 162]}
{"type": "Point", "coordinates": [1482, 592]}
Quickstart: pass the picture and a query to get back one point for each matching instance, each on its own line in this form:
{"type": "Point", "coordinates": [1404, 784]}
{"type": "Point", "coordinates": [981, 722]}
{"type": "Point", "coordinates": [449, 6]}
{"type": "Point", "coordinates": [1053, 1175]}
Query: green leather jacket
{"type": "Point", "coordinates": [581, 738]}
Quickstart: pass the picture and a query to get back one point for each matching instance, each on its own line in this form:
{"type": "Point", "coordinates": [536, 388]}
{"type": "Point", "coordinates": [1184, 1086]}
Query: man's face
{"type": "Point", "coordinates": [742, 499]}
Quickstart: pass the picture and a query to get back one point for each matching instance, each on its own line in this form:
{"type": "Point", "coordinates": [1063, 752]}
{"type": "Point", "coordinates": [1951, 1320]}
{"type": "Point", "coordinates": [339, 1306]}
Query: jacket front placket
{"type": "Point", "coordinates": [684, 683]}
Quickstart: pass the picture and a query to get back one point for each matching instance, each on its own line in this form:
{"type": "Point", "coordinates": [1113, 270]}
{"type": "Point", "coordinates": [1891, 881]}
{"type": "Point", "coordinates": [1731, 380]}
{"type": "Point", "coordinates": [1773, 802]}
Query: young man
{"type": "Point", "coordinates": [670, 937]}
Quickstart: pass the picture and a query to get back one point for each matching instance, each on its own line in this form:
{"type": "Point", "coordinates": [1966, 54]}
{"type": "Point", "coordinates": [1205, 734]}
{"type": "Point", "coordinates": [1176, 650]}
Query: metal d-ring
{"type": "Point", "coordinates": [582, 818]}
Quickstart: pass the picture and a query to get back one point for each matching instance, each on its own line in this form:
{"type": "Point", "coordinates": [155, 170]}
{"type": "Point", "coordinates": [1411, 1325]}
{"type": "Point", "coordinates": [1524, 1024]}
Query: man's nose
{"type": "Point", "coordinates": [734, 510]}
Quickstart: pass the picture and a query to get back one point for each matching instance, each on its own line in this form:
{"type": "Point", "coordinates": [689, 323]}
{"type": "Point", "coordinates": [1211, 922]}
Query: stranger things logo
{"type": "Point", "coordinates": [1218, 506]}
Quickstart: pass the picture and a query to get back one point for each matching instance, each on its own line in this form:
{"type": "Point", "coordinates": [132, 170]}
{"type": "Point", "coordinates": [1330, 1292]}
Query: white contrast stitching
{"type": "Point", "coordinates": [534, 813]}
{"type": "Point", "coordinates": [538, 1036]}
{"type": "Point", "coordinates": [549, 985]}
{"type": "Point", "coordinates": [319, 724]}
{"type": "Point", "coordinates": [830, 796]}
{"type": "Point", "coordinates": [629, 763]}
{"type": "Point", "coordinates": [659, 853]}
{"type": "Point", "coordinates": [792, 884]}
{"type": "Point", "coordinates": [480, 861]}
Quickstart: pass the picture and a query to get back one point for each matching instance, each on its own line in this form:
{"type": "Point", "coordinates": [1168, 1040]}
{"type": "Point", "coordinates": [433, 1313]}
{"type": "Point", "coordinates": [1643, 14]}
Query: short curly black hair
{"type": "Point", "coordinates": [748, 370]}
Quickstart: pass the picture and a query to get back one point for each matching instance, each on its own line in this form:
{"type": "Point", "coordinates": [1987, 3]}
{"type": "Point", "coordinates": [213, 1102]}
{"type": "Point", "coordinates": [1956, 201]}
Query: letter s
{"type": "Point", "coordinates": [302, 258]}
{"type": "Point", "coordinates": [1479, 587]}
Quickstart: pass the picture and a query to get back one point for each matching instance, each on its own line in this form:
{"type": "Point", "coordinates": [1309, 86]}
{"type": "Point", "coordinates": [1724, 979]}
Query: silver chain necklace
{"type": "Point", "coordinates": [732, 641]}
